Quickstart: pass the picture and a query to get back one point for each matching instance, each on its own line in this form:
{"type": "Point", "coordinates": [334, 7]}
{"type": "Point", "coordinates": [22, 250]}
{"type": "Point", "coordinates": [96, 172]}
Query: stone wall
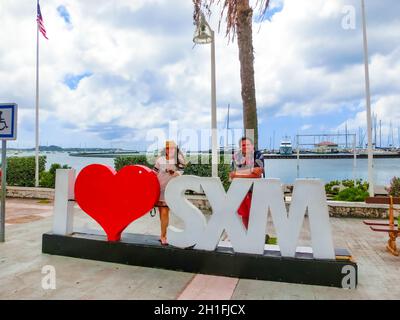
{"type": "Point", "coordinates": [360, 210]}
{"type": "Point", "coordinates": [30, 193]}
{"type": "Point", "coordinates": [200, 202]}
{"type": "Point", "coordinates": [336, 208]}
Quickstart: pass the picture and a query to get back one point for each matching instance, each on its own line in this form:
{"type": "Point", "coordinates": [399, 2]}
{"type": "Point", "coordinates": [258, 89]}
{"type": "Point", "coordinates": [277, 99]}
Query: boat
{"type": "Point", "coordinates": [285, 147]}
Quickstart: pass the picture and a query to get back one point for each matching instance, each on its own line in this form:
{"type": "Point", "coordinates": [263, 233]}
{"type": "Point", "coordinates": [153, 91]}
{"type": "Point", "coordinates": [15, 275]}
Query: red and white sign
{"type": "Point", "coordinates": [116, 199]}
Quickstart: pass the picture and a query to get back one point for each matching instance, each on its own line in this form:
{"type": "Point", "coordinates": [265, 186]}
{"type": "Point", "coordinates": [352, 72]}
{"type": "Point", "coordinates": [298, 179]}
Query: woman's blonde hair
{"type": "Point", "coordinates": [178, 154]}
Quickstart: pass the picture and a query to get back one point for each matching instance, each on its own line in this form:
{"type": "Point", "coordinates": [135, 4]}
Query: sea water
{"type": "Point", "coordinates": [284, 169]}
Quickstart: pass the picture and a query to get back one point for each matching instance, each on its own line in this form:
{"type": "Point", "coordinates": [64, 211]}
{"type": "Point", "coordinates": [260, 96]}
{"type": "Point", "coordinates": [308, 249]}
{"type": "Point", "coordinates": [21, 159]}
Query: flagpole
{"type": "Point", "coordinates": [37, 106]}
{"type": "Point", "coordinates": [368, 104]}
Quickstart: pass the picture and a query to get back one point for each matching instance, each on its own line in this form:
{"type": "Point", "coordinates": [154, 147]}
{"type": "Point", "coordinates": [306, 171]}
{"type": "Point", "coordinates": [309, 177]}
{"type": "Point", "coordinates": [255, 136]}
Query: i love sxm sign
{"type": "Point", "coordinates": [116, 199]}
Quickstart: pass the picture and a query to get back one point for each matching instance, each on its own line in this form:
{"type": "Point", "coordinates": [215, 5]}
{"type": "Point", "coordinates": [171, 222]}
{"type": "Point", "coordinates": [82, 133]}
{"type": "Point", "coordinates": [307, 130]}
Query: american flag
{"type": "Point", "coordinates": [40, 23]}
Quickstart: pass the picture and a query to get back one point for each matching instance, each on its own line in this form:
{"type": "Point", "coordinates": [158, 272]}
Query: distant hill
{"type": "Point", "coordinates": [50, 148]}
{"type": "Point", "coordinates": [53, 148]}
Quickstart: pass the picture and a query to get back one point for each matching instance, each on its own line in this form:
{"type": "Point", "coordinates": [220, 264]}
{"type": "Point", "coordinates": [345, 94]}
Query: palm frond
{"type": "Point", "coordinates": [230, 9]}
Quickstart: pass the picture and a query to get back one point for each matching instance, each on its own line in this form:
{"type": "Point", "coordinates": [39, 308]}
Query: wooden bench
{"type": "Point", "coordinates": [391, 227]}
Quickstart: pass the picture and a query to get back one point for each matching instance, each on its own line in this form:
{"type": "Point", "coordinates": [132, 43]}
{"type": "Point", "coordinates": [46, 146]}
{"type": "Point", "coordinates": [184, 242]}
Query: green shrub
{"type": "Point", "coordinates": [55, 166]}
{"type": "Point", "coordinates": [359, 185]}
{"type": "Point", "coordinates": [202, 169]}
{"type": "Point", "coordinates": [352, 194]}
{"type": "Point", "coordinates": [21, 170]}
{"type": "Point", "coordinates": [122, 161]}
{"type": "Point", "coordinates": [48, 178]}
{"type": "Point", "coordinates": [328, 187]}
{"type": "Point", "coordinates": [348, 183]}
{"type": "Point", "coordinates": [363, 185]}
{"type": "Point", "coordinates": [394, 189]}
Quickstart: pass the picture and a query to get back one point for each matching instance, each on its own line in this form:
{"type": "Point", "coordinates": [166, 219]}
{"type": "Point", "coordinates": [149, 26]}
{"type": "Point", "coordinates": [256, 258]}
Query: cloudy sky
{"type": "Point", "coordinates": [114, 69]}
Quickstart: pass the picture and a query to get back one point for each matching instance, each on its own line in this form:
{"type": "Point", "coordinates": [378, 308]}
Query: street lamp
{"type": "Point", "coordinates": [368, 102]}
{"type": "Point", "coordinates": [205, 35]}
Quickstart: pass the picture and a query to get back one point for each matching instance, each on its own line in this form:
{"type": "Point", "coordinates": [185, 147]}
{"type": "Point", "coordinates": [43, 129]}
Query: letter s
{"type": "Point", "coordinates": [194, 220]}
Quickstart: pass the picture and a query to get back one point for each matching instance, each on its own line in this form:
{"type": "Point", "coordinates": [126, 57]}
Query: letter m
{"type": "Point", "coordinates": [308, 196]}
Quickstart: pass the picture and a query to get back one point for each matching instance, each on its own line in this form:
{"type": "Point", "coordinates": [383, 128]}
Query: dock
{"type": "Point", "coordinates": [329, 156]}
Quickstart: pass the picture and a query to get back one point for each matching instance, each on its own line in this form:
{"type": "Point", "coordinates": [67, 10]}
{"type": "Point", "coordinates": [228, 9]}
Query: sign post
{"type": "Point", "coordinates": [8, 131]}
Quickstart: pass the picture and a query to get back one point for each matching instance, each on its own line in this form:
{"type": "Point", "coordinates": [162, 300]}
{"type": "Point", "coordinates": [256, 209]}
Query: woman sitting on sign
{"type": "Point", "coordinates": [247, 163]}
{"type": "Point", "coordinates": [168, 166]}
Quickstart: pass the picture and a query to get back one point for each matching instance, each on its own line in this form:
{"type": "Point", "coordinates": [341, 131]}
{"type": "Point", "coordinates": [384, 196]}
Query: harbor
{"type": "Point", "coordinates": [385, 155]}
{"type": "Point", "coordinates": [266, 154]}
{"type": "Point", "coordinates": [284, 167]}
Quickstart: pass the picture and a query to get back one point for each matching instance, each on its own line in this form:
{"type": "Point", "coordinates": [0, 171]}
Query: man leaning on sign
{"type": "Point", "coordinates": [247, 163]}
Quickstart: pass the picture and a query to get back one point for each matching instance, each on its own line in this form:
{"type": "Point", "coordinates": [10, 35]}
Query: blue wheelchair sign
{"type": "Point", "coordinates": [8, 121]}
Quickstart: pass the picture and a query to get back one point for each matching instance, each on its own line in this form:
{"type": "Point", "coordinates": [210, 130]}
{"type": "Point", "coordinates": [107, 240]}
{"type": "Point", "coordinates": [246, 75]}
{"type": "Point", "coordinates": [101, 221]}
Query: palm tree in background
{"type": "Point", "coordinates": [239, 20]}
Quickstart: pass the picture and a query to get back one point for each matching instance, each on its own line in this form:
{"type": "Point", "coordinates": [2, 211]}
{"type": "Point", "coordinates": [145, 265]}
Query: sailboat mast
{"type": "Point", "coordinates": [227, 126]}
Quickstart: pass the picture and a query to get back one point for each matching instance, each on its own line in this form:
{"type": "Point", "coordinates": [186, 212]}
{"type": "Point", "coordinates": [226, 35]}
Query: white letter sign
{"type": "Point", "coordinates": [308, 196]}
{"type": "Point", "coordinates": [193, 218]}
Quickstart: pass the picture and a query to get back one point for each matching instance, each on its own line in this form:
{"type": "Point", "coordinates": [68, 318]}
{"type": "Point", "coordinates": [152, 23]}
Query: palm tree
{"type": "Point", "coordinates": [239, 20]}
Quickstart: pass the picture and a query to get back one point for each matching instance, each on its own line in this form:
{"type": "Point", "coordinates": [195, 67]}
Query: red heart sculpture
{"type": "Point", "coordinates": [115, 199]}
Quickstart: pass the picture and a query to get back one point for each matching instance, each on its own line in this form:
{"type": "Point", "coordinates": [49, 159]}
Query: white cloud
{"type": "Point", "coordinates": [385, 108]}
{"type": "Point", "coordinates": [306, 127]}
{"type": "Point", "coordinates": [145, 72]}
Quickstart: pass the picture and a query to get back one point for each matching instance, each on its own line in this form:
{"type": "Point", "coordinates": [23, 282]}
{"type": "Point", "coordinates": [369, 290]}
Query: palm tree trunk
{"type": "Point", "coordinates": [246, 58]}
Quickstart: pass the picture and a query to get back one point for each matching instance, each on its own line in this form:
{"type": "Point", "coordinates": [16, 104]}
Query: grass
{"type": "Point", "coordinates": [272, 240]}
{"type": "Point", "coordinates": [44, 201]}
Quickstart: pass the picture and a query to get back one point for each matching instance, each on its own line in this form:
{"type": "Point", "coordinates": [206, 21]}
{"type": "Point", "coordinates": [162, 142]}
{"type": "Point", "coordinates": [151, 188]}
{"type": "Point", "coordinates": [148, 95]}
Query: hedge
{"type": "Point", "coordinates": [21, 170]}
{"type": "Point", "coordinates": [122, 161]}
{"type": "Point", "coordinates": [48, 178]}
{"type": "Point", "coordinates": [353, 192]}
